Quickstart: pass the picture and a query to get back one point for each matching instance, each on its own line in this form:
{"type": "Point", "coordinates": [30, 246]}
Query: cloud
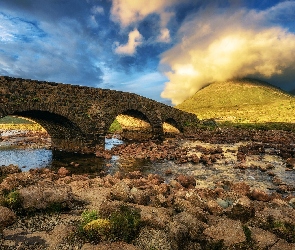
{"type": "Point", "coordinates": [97, 10]}
{"type": "Point", "coordinates": [131, 13]}
{"type": "Point", "coordinates": [164, 36]}
{"type": "Point", "coordinates": [225, 45]}
{"type": "Point", "coordinates": [46, 51]}
{"type": "Point", "coordinates": [127, 12]}
{"type": "Point", "coordinates": [134, 40]}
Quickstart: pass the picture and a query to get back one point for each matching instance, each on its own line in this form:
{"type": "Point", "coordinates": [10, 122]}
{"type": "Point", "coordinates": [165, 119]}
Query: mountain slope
{"type": "Point", "coordinates": [243, 100]}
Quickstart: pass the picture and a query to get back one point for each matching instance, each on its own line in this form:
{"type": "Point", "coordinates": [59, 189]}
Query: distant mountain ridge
{"type": "Point", "coordinates": [242, 100]}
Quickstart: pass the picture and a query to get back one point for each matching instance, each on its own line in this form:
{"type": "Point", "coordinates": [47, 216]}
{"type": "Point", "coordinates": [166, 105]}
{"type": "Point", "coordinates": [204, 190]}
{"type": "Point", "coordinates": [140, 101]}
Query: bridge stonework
{"type": "Point", "coordinates": [77, 117]}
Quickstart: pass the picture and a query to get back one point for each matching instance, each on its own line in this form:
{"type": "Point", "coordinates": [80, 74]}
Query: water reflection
{"type": "Point", "coordinates": [26, 158]}
{"type": "Point", "coordinates": [39, 158]}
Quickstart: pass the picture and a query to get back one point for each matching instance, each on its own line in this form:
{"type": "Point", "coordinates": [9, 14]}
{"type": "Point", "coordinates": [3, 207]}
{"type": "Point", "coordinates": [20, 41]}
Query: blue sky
{"type": "Point", "coordinates": [162, 49]}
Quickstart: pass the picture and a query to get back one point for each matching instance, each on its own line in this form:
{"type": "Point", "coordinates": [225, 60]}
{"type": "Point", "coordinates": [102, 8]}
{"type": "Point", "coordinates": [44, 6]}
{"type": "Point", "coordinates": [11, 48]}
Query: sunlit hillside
{"type": "Point", "coordinates": [242, 101]}
{"type": "Point", "coordinates": [19, 123]}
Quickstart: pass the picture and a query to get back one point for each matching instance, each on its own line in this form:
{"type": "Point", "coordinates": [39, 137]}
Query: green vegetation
{"type": "Point", "coordinates": [19, 123]}
{"type": "Point", "coordinates": [123, 224]}
{"type": "Point", "coordinates": [240, 102]}
{"type": "Point", "coordinates": [11, 199]}
{"type": "Point", "coordinates": [14, 120]}
{"type": "Point", "coordinates": [115, 127]}
{"type": "Point", "coordinates": [282, 229]}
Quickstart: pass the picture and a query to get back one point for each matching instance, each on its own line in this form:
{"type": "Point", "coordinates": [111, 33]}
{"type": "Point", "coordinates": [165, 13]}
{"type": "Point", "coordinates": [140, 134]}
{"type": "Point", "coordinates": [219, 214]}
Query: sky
{"type": "Point", "coordinates": [165, 50]}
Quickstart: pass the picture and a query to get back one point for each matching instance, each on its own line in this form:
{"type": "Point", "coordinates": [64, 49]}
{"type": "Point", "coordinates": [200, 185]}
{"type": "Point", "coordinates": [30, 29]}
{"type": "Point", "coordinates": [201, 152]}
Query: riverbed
{"type": "Point", "coordinates": [266, 170]}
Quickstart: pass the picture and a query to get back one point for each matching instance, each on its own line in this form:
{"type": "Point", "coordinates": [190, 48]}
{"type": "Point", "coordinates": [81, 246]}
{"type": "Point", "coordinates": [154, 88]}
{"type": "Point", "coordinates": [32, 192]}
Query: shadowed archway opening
{"type": "Point", "coordinates": [170, 127]}
{"type": "Point", "coordinates": [64, 133]}
{"type": "Point", "coordinates": [132, 125]}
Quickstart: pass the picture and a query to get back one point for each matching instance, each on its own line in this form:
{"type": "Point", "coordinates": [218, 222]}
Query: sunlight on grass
{"type": "Point", "coordinates": [243, 102]}
{"type": "Point", "coordinates": [19, 123]}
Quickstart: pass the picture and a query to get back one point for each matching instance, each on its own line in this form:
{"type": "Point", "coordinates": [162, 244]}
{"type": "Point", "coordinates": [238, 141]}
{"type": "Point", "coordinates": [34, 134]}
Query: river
{"type": "Point", "coordinates": [206, 176]}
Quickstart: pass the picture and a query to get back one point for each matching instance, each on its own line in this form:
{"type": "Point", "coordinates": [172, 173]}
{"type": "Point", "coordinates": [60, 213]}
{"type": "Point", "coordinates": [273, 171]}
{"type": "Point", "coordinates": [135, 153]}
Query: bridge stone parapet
{"type": "Point", "coordinates": [78, 117]}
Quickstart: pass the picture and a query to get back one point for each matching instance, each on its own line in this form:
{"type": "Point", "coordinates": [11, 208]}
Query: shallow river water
{"type": "Point", "coordinates": [206, 176]}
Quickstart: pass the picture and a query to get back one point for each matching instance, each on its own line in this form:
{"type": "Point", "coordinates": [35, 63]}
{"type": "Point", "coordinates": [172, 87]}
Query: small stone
{"type": "Point", "coordinates": [292, 202]}
{"type": "Point", "coordinates": [62, 172]}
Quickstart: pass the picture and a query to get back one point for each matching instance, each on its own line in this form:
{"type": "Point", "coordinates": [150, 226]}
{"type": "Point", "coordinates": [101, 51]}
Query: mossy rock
{"type": "Point", "coordinates": [98, 228]}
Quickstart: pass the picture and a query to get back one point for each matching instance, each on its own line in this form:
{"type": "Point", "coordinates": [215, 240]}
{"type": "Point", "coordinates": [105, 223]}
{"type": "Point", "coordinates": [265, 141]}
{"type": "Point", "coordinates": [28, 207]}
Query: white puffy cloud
{"type": "Point", "coordinates": [97, 10]}
{"type": "Point", "coordinates": [134, 40]}
{"type": "Point", "coordinates": [221, 46]}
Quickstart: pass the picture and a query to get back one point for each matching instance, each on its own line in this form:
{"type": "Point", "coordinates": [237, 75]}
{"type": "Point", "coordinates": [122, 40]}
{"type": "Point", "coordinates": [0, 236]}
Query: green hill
{"type": "Point", "coordinates": [242, 101]}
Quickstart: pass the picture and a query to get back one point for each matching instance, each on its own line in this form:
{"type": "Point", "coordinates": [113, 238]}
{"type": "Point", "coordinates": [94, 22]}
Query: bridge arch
{"type": "Point", "coordinates": [77, 117]}
{"type": "Point", "coordinates": [65, 131]}
{"type": "Point", "coordinates": [172, 124]}
{"type": "Point", "coordinates": [149, 117]}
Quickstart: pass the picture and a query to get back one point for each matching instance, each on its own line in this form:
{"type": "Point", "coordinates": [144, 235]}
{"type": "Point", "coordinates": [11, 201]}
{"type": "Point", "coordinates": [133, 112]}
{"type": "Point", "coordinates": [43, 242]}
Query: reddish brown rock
{"type": "Point", "coordinates": [42, 196]}
{"type": "Point", "coordinates": [186, 181]}
{"type": "Point", "coordinates": [290, 163]}
{"type": "Point", "coordinates": [230, 231]}
{"type": "Point", "coordinates": [262, 238]}
{"type": "Point", "coordinates": [121, 191]}
{"type": "Point", "coordinates": [7, 217]}
{"type": "Point", "coordinates": [259, 195]}
{"type": "Point", "coordinates": [62, 172]}
{"type": "Point", "coordinates": [242, 210]}
{"type": "Point", "coordinates": [214, 208]}
{"type": "Point", "coordinates": [283, 245]}
{"type": "Point", "coordinates": [109, 246]}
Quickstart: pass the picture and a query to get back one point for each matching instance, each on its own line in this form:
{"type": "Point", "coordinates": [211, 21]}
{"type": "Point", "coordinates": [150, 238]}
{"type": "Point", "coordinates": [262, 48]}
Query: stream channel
{"type": "Point", "coordinates": [206, 176]}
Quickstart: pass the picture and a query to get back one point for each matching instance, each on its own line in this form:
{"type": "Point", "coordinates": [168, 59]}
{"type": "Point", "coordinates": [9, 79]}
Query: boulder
{"type": "Point", "coordinates": [226, 230]}
{"type": "Point", "coordinates": [262, 238]}
{"type": "Point", "coordinates": [242, 210]}
{"type": "Point", "coordinates": [186, 181]}
{"type": "Point", "coordinates": [155, 217]}
{"type": "Point", "coordinates": [259, 195]}
{"type": "Point", "coordinates": [121, 191]}
{"type": "Point", "coordinates": [7, 217]}
{"type": "Point", "coordinates": [43, 196]}
{"type": "Point", "coordinates": [282, 244]}
{"type": "Point", "coordinates": [109, 245]}
{"type": "Point", "coordinates": [150, 238]}
{"type": "Point", "coordinates": [193, 226]}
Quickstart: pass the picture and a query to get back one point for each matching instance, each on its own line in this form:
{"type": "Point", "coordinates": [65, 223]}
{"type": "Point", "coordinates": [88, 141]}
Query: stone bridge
{"type": "Point", "coordinates": [76, 117]}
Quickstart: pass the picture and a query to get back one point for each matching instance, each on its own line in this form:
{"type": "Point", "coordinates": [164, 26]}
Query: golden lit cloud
{"type": "Point", "coordinates": [222, 47]}
{"type": "Point", "coordinates": [134, 40]}
{"type": "Point", "coordinates": [130, 12]}
{"type": "Point", "coordinates": [164, 36]}
{"type": "Point", "coordinates": [127, 12]}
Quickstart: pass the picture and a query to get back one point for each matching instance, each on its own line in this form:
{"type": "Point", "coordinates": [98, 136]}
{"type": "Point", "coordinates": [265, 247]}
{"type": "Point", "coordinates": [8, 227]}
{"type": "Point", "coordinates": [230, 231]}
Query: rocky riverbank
{"type": "Point", "coordinates": [234, 190]}
{"type": "Point", "coordinates": [24, 139]}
